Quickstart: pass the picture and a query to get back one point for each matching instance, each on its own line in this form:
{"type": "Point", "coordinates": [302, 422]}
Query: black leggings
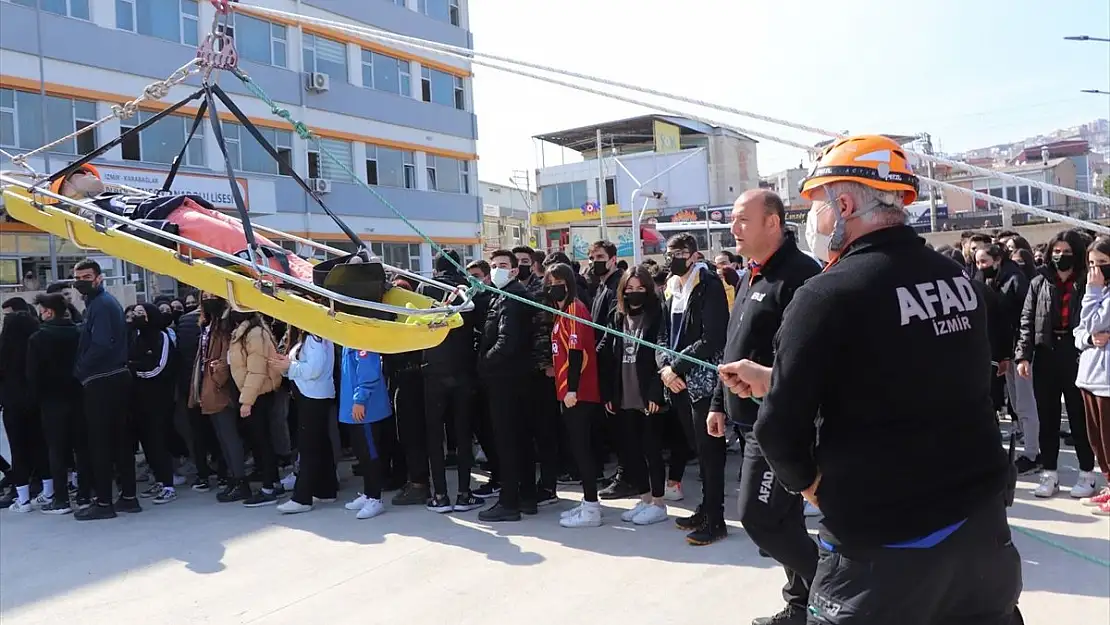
{"type": "Point", "coordinates": [152, 415]}
{"type": "Point", "coordinates": [28, 448]}
{"type": "Point", "coordinates": [579, 420]}
{"type": "Point", "coordinates": [1054, 372]}
{"type": "Point", "coordinates": [644, 436]}
{"type": "Point", "coordinates": [365, 439]}
{"type": "Point", "coordinates": [317, 472]}
{"type": "Point", "coordinates": [64, 427]}
{"type": "Point", "coordinates": [262, 444]}
{"type": "Point", "coordinates": [711, 454]}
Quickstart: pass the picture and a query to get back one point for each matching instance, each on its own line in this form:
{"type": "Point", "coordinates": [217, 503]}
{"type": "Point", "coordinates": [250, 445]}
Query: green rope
{"type": "Point", "coordinates": [475, 284]}
{"type": "Point", "coordinates": [1024, 531]}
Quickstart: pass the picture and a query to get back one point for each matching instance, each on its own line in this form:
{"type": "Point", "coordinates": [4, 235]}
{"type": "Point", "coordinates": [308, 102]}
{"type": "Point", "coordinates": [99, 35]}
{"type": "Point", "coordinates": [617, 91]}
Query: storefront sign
{"type": "Point", "coordinates": [214, 189]}
{"type": "Point", "coordinates": [686, 215]}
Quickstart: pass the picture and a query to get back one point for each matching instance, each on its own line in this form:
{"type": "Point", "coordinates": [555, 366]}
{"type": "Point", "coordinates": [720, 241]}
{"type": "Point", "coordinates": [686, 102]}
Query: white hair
{"type": "Point", "coordinates": [871, 203]}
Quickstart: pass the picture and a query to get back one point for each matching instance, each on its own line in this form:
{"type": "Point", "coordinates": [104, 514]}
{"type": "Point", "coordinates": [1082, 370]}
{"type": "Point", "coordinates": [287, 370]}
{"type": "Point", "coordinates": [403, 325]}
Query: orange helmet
{"type": "Point", "coordinates": [56, 186]}
{"type": "Point", "coordinates": [874, 160]}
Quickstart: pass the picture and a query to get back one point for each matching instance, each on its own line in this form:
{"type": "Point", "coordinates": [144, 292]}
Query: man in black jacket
{"type": "Point", "coordinates": [449, 381]}
{"type": "Point", "coordinates": [880, 360]}
{"type": "Point", "coordinates": [504, 363]}
{"type": "Point", "coordinates": [21, 419]}
{"type": "Point", "coordinates": [101, 368]}
{"type": "Point", "coordinates": [771, 516]}
{"type": "Point", "coordinates": [51, 353]}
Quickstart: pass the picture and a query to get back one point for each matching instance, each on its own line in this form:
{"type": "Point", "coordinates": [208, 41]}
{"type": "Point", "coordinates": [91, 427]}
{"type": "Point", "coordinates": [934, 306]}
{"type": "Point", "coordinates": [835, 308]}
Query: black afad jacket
{"type": "Point", "coordinates": [882, 367]}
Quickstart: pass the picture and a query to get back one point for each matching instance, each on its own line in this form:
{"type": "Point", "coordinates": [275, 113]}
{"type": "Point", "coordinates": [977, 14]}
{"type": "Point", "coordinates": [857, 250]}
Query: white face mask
{"type": "Point", "coordinates": [819, 244]}
{"type": "Point", "coordinates": [501, 276]}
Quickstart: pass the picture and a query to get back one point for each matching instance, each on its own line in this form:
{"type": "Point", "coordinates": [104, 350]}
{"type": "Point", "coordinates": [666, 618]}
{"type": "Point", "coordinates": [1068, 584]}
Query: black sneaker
{"type": "Point", "coordinates": [466, 502]}
{"type": "Point", "coordinates": [546, 497]}
{"type": "Point", "coordinates": [1025, 466]}
{"type": "Point", "coordinates": [692, 522]}
{"type": "Point", "coordinates": [202, 485]}
{"type": "Point", "coordinates": [618, 489]}
{"type": "Point", "coordinates": [130, 506]}
{"type": "Point", "coordinates": [498, 514]}
{"type": "Point", "coordinates": [708, 534]}
{"type": "Point", "coordinates": [567, 479]}
{"type": "Point", "coordinates": [790, 615]}
{"type": "Point", "coordinates": [95, 512]}
{"type": "Point", "coordinates": [440, 504]}
{"type": "Point", "coordinates": [412, 495]}
{"type": "Point", "coordinates": [487, 490]}
{"type": "Point", "coordinates": [83, 502]}
{"type": "Point", "coordinates": [166, 496]}
{"type": "Point", "coordinates": [528, 507]}
{"type": "Point", "coordinates": [278, 489]}
{"type": "Point", "coordinates": [57, 507]}
{"type": "Point", "coordinates": [235, 491]}
{"type": "Point", "coordinates": [261, 498]}
{"type": "Point", "coordinates": [152, 491]}
{"type": "Point", "coordinates": [7, 497]}
{"type": "Point", "coordinates": [222, 482]}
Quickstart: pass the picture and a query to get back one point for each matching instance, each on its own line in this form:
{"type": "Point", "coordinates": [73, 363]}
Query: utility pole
{"type": "Point", "coordinates": [601, 187]}
{"type": "Point", "coordinates": [932, 188]}
{"type": "Point", "coordinates": [525, 193]}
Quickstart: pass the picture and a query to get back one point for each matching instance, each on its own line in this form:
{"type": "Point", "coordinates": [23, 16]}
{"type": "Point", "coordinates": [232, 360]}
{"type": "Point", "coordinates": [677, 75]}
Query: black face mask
{"type": "Point", "coordinates": [1063, 262]}
{"type": "Point", "coordinates": [557, 293]}
{"type": "Point", "coordinates": [1105, 269]}
{"type": "Point", "coordinates": [989, 273]}
{"type": "Point", "coordinates": [139, 322]}
{"type": "Point", "coordinates": [678, 266]}
{"type": "Point", "coordinates": [600, 267]}
{"type": "Point", "coordinates": [523, 272]}
{"type": "Point", "coordinates": [84, 287]}
{"type": "Point", "coordinates": [190, 307]}
{"type": "Point", "coordinates": [635, 299]}
{"type": "Point", "coordinates": [1038, 262]}
{"type": "Point", "coordinates": [213, 308]}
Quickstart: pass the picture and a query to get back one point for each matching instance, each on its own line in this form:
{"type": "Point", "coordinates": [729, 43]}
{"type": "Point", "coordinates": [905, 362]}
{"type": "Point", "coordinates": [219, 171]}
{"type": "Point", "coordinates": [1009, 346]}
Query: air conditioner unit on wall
{"type": "Point", "coordinates": [318, 82]}
{"type": "Point", "coordinates": [319, 185]}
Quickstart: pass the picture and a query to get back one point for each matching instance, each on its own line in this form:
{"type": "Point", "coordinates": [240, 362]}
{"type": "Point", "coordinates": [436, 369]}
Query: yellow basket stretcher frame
{"type": "Point", "coordinates": [421, 323]}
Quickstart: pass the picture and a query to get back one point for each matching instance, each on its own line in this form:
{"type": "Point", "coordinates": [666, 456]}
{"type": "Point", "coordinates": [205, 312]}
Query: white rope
{"type": "Point", "coordinates": [154, 91]}
{"type": "Point", "coordinates": [474, 56]}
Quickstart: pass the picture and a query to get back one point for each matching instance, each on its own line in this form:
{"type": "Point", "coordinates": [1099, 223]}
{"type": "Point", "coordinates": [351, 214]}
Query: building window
{"type": "Point", "coordinates": [403, 255]}
{"type": "Point", "coordinates": [69, 8]}
{"type": "Point", "coordinates": [1011, 193]}
{"type": "Point", "coordinates": [385, 73]}
{"type": "Point", "coordinates": [387, 167]}
{"type": "Point", "coordinates": [21, 121]}
{"type": "Point", "coordinates": [563, 196]}
{"type": "Point", "coordinates": [448, 174]}
{"type": "Point", "coordinates": [161, 142]}
{"type": "Point", "coordinates": [321, 166]}
{"type": "Point", "coordinates": [454, 15]}
{"type": "Point", "coordinates": [172, 20]}
{"type": "Point", "coordinates": [1035, 197]}
{"type": "Point", "coordinates": [325, 55]}
{"type": "Point", "coordinates": [247, 154]}
{"type": "Point", "coordinates": [442, 88]}
{"type": "Point", "coordinates": [260, 41]}
{"type": "Point", "coordinates": [442, 10]}
{"type": "Point", "coordinates": [610, 191]}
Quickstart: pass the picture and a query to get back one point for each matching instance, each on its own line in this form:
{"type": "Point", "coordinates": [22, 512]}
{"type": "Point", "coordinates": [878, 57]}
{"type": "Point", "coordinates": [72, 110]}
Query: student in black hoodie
{"type": "Point", "coordinates": [21, 419]}
{"type": "Point", "coordinates": [151, 359]}
{"type": "Point", "coordinates": [503, 364]}
{"type": "Point", "coordinates": [51, 352]}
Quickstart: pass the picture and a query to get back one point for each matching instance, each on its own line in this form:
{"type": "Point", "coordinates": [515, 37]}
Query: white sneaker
{"type": "Point", "coordinates": [1084, 485]}
{"type": "Point", "coordinates": [289, 481]}
{"type": "Point", "coordinates": [628, 515]}
{"type": "Point", "coordinates": [811, 510]}
{"type": "Point", "coordinates": [673, 491]}
{"type": "Point", "coordinates": [589, 515]}
{"type": "Point", "coordinates": [20, 507]}
{"type": "Point", "coordinates": [292, 507]}
{"type": "Point", "coordinates": [573, 511]}
{"type": "Point", "coordinates": [1049, 486]}
{"type": "Point", "coordinates": [650, 515]}
{"type": "Point", "coordinates": [371, 509]}
{"type": "Point", "coordinates": [179, 480]}
{"type": "Point", "coordinates": [41, 501]}
{"type": "Point", "coordinates": [316, 500]}
{"type": "Point", "coordinates": [357, 503]}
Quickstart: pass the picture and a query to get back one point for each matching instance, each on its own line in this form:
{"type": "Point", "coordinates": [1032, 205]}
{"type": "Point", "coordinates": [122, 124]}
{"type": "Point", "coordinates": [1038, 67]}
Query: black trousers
{"type": "Point", "coordinates": [25, 437]}
{"type": "Point", "coordinates": [774, 520]}
{"type": "Point", "coordinates": [444, 396]}
{"type": "Point", "coordinates": [66, 439]}
{"type": "Point", "coordinates": [317, 472]}
{"type": "Point", "coordinates": [111, 447]}
{"type": "Point", "coordinates": [512, 431]}
{"type": "Point", "coordinates": [711, 454]}
{"type": "Point", "coordinates": [483, 431]}
{"type": "Point", "coordinates": [364, 442]}
{"type": "Point", "coordinates": [261, 437]}
{"type": "Point", "coordinates": [547, 430]}
{"type": "Point", "coordinates": [644, 467]}
{"type": "Point", "coordinates": [408, 408]}
{"type": "Point", "coordinates": [678, 440]}
{"type": "Point", "coordinates": [973, 577]}
{"type": "Point", "coordinates": [205, 444]}
{"type": "Point", "coordinates": [579, 421]}
{"type": "Point", "coordinates": [1054, 371]}
{"type": "Point", "coordinates": [152, 420]}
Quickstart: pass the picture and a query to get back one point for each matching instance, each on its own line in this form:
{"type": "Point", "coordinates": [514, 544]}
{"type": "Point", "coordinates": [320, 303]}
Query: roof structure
{"type": "Point", "coordinates": [628, 131]}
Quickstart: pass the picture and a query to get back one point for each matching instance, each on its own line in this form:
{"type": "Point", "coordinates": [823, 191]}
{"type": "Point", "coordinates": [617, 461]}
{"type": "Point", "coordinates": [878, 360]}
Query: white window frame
{"type": "Point", "coordinates": [372, 156]}
{"type": "Point", "coordinates": [69, 8]}
{"type": "Point", "coordinates": [426, 79]}
{"type": "Point", "coordinates": [431, 174]}
{"type": "Point", "coordinates": [464, 176]}
{"type": "Point", "coordinates": [274, 39]}
{"type": "Point", "coordinates": [13, 110]}
{"type": "Point", "coordinates": [408, 161]}
{"type": "Point", "coordinates": [186, 125]}
{"type": "Point", "coordinates": [408, 167]}
{"type": "Point", "coordinates": [454, 12]}
{"type": "Point", "coordinates": [316, 54]}
{"type": "Point", "coordinates": [182, 19]}
{"type": "Point", "coordinates": [460, 93]}
{"type": "Point", "coordinates": [320, 160]}
{"type": "Point", "coordinates": [378, 248]}
{"type": "Point", "coordinates": [80, 123]}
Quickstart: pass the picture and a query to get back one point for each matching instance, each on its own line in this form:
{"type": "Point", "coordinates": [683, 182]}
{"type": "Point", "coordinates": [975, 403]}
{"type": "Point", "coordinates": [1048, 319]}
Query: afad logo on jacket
{"type": "Point", "coordinates": [939, 303]}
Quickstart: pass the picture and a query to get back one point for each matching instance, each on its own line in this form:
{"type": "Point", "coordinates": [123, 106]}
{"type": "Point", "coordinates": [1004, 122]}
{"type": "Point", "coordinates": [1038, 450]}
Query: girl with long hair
{"type": "Point", "coordinates": [252, 346]}
{"type": "Point", "coordinates": [151, 360]}
{"type": "Point", "coordinates": [1091, 337]}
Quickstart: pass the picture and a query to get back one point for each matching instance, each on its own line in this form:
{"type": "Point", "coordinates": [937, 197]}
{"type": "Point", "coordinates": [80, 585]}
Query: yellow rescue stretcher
{"type": "Point", "coordinates": [417, 321]}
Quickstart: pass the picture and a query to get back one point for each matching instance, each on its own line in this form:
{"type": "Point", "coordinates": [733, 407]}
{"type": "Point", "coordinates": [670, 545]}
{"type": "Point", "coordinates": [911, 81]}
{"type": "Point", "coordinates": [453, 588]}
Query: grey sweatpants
{"type": "Point", "coordinates": [1020, 392]}
{"type": "Point", "coordinates": [226, 424]}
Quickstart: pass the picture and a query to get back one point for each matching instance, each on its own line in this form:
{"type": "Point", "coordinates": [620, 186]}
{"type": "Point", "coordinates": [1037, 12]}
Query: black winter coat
{"type": "Point", "coordinates": [1041, 313]}
{"type": "Point", "coordinates": [456, 355]}
{"type": "Point", "coordinates": [506, 345]}
{"type": "Point", "coordinates": [612, 382]}
{"type": "Point", "coordinates": [17, 330]}
{"type": "Point", "coordinates": [51, 352]}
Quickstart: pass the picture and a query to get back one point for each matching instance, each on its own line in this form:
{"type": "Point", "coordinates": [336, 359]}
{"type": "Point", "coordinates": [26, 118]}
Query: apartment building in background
{"type": "Point", "coordinates": [400, 120]}
{"type": "Point", "coordinates": [505, 213]}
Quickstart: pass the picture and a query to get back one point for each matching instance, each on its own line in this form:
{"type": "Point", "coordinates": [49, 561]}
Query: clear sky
{"type": "Point", "coordinates": [970, 72]}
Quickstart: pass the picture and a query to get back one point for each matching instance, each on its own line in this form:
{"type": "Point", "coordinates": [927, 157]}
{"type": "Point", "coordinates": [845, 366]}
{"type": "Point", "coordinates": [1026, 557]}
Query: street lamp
{"type": "Point", "coordinates": [1087, 38]}
{"type": "Point", "coordinates": [1094, 91]}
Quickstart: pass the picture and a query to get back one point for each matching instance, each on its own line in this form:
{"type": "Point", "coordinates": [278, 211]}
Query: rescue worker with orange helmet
{"type": "Point", "coordinates": [878, 410]}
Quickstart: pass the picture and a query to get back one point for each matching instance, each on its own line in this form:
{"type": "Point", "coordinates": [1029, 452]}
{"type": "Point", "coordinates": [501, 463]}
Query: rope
{"type": "Point", "coordinates": [474, 56]}
{"type": "Point", "coordinates": [1037, 536]}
